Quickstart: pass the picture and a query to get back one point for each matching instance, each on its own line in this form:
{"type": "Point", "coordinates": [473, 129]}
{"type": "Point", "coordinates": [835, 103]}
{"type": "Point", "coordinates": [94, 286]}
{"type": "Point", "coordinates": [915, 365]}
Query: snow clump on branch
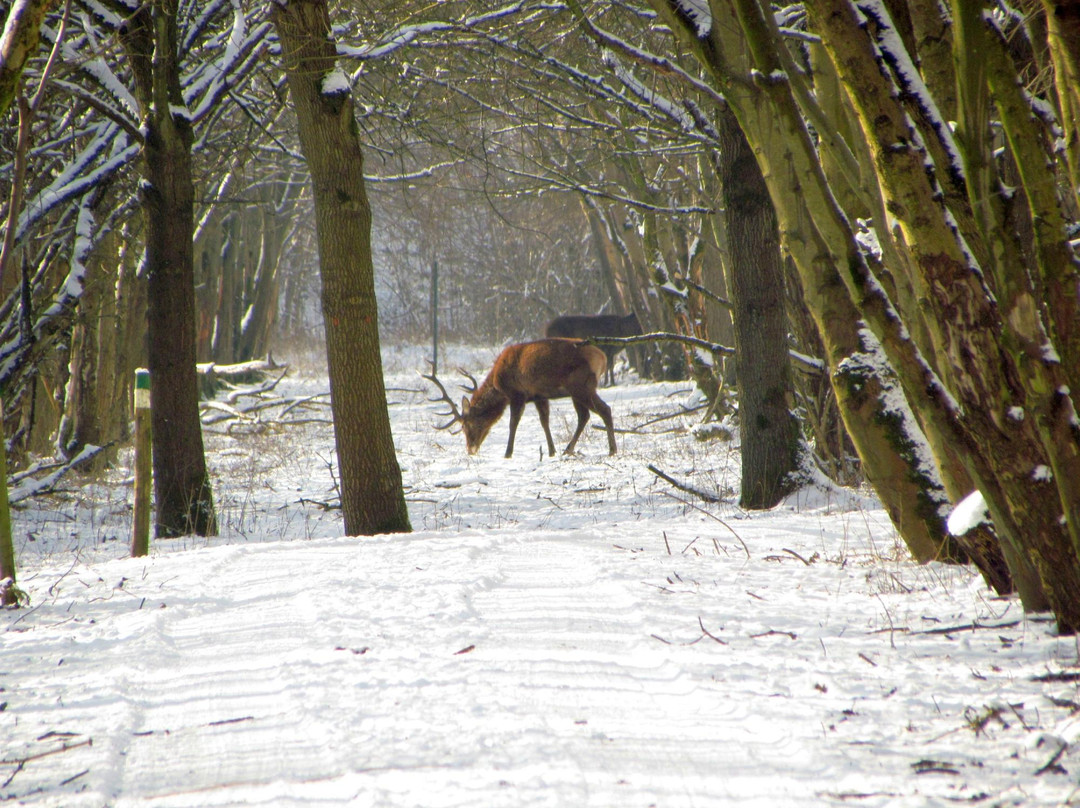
{"type": "Point", "coordinates": [699, 13]}
{"type": "Point", "coordinates": [336, 83]}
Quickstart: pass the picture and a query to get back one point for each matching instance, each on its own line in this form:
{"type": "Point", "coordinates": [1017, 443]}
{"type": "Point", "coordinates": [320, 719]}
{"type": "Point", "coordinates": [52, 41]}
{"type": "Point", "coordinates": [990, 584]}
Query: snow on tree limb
{"type": "Point", "coordinates": [699, 14]}
{"type": "Point", "coordinates": [908, 78]}
{"type": "Point", "coordinates": [27, 484]}
{"type": "Point", "coordinates": [105, 154]}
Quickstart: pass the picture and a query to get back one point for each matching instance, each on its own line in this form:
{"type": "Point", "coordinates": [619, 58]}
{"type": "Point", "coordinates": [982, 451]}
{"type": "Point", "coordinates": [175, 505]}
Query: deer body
{"type": "Point", "coordinates": [579, 326]}
{"type": "Point", "coordinates": [537, 372]}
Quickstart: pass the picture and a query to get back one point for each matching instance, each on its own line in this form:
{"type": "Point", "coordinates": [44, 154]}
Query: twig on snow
{"type": "Point", "coordinates": [967, 627]}
{"type": "Point", "coordinates": [713, 517]}
{"type": "Point", "coordinates": [1052, 764]}
{"type": "Point", "coordinates": [771, 632]}
{"type": "Point", "coordinates": [74, 777]}
{"type": "Point", "coordinates": [709, 634]}
{"type": "Point", "coordinates": [710, 498]}
{"type": "Point", "coordinates": [793, 553]}
{"type": "Point", "coordinates": [933, 767]}
{"type": "Point", "coordinates": [1057, 676]}
{"type": "Point", "coordinates": [66, 747]}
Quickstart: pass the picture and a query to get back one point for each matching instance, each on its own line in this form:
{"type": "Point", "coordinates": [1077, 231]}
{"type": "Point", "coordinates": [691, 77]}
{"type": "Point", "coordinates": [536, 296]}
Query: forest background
{"type": "Point", "coordinates": [870, 208]}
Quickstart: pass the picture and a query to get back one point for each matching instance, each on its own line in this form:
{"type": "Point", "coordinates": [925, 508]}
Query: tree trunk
{"type": "Point", "coordinates": [21, 37]}
{"type": "Point", "coordinates": [9, 592]}
{"type": "Point", "coordinates": [207, 263]}
{"type": "Point", "coordinates": [887, 439]}
{"type": "Point", "coordinates": [714, 275]}
{"type": "Point", "coordinates": [620, 285]}
{"type": "Point", "coordinates": [261, 301]}
{"type": "Point", "coordinates": [183, 498]}
{"type": "Point", "coordinates": [990, 344]}
{"type": "Point", "coordinates": [371, 492]}
{"type": "Point", "coordinates": [79, 424]}
{"type": "Point", "coordinates": [227, 290]}
{"type": "Point", "coordinates": [768, 430]}
{"type": "Point", "coordinates": [1063, 24]}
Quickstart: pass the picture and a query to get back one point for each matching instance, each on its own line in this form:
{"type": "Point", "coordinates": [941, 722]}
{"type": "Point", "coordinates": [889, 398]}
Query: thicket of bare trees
{"type": "Point", "coordinates": [549, 156]}
{"type": "Point", "coordinates": [504, 270]}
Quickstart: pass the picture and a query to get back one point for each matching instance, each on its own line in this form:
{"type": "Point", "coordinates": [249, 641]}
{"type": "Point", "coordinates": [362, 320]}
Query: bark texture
{"type": "Point", "coordinates": [768, 429]}
{"type": "Point", "coordinates": [371, 492]}
{"type": "Point", "coordinates": [183, 498]}
{"type": "Point", "coordinates": [20, 37]}
{"type": "Point", "coordinates": [886, 438]}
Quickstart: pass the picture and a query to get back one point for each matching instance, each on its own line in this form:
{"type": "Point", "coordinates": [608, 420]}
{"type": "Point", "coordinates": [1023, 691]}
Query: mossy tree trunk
{"type": "Point", "coordinates": [10, 594]}
{"type": "Point", "coordinates": [1063, 39]}
{"type": "Point", "coordinates": [989, 362]}
{"type": "Point", "coordinates": [887, 438]}
{"type": "Point", "coordinates": [989, 343]}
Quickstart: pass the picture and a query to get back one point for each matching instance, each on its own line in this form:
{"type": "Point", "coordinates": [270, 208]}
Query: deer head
{"type": "Point", "coordinates": [475, 415]}
{"type": "Point", "coordinates": [456, 415]}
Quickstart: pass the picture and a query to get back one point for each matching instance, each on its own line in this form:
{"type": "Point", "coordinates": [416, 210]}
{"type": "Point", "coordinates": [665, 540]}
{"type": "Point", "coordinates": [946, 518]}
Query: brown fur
{"type": "Point", "coordinates": [578, 326]}
{"type": "Point", "coordinates": [538, 371]}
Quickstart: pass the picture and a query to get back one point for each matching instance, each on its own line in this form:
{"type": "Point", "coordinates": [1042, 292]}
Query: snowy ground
{"type": "Point", "coordinates": [556, 632]}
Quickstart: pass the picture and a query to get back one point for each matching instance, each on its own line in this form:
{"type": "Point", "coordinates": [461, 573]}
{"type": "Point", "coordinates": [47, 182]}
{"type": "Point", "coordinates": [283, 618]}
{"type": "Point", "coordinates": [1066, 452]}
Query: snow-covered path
{"type": "Point", "coordinates": [493, 669]}
{"type": "Point", "coordinates": [565, 635]}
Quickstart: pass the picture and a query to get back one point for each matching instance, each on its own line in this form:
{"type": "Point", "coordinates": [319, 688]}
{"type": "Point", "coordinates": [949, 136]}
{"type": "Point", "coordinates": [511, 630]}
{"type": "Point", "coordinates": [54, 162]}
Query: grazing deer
{"type": "Point", "coordinates": [533, 371]}
{"type": "Point", "coordinates": [579, 326]}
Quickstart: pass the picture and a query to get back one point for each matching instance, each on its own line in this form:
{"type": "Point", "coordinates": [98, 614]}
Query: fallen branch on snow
{"type": "Point", "coordinates": [26, 484]}
{"type": "Point", "coordinates": [214, 377]}
{"type": "Point", "coordinates": [683, 487]}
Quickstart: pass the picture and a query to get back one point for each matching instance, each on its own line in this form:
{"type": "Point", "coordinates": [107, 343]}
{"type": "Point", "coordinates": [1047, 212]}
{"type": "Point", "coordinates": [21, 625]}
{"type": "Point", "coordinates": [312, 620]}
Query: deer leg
{"type": "Point", "coordinates": [543, 409]}
{"type": "Point", "coordinates": [517, 406]}
{"type": "Point", "coordinates": [604, 411]}
{"type": "Point", "coordinates": [582, 418]}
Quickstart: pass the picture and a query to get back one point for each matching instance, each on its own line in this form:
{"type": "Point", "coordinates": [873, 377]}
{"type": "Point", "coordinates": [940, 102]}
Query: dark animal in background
{"type": "Point", "coordinates": [579, 326]}
{"type": "Point", "coordinates": [533, 371]}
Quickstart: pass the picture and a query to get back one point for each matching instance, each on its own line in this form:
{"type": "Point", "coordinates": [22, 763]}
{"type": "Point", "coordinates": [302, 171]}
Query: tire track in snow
{"type": "Point", "coordinates": [550, 675]}
{"type": "Point", "coordinates": [220, 720]}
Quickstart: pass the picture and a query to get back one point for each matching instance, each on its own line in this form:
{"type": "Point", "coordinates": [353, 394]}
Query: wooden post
{"type": "Point", "coordinates": [435, 316]}
{"type": "Point", "coordinates": [9, 593]}
{"type": "Point", "coordinates": [140, 531]}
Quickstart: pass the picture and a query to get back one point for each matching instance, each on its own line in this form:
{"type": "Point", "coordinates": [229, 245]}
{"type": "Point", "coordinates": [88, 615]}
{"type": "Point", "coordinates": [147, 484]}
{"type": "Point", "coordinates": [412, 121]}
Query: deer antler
{"type": "Point", "coordinates": [455, 414]}
{"type": "Point", "coordinates": [471, 378]}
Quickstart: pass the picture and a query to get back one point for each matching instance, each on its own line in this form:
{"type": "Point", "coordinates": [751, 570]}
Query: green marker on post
{"type": "Point", "coordinates": [142, 389]}
{"type": "Point", "coordinates": [140, 530]}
